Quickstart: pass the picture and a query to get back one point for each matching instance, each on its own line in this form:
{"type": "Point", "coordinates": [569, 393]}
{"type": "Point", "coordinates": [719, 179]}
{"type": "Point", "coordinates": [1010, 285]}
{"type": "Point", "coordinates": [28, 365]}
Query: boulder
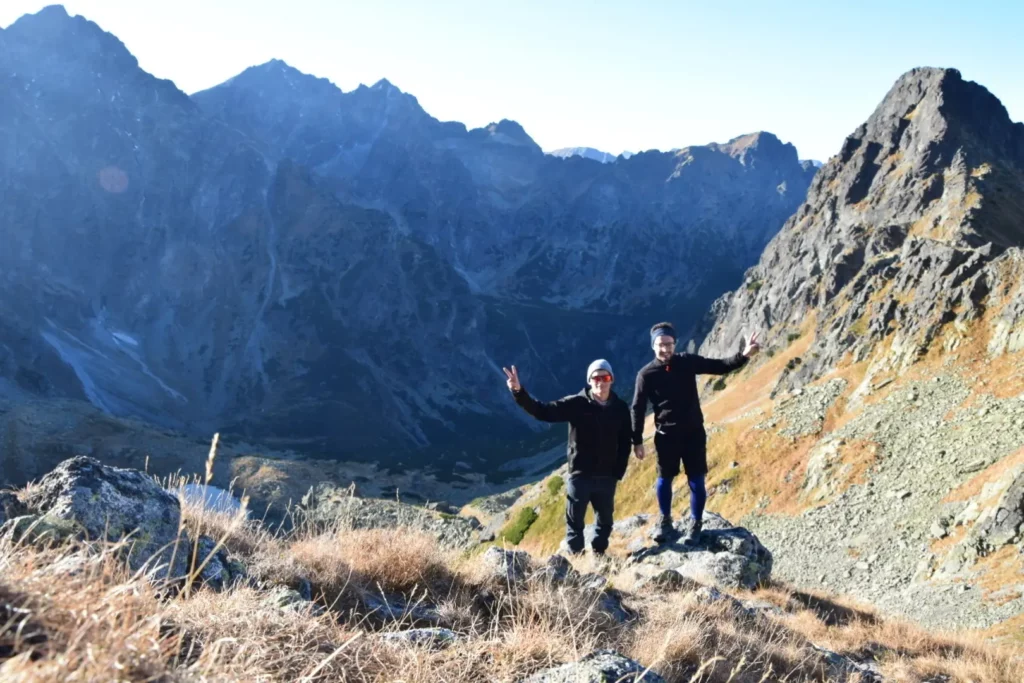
{"type": "Point", "coordinates": [1003, 523]}
{"type": "Point", "coordinates": [113, 504]}
{"type": "Point", "coordinates": [725, 555]}
{"type": "Point", "coordinates": [601, 666]}
{"type": "Point", "coordinates": [328, 505]}
{"type": "Point", "coordinates": [506, 565]}
{"type": "Point", "coordinates": [556, 570]}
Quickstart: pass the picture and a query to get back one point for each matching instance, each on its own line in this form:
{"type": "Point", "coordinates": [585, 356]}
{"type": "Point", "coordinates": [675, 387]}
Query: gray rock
{"type": "Point", "coordinates": [287, 600]}
{"type": "Point", "coordinates": [11, 506]}
{"type": "Point", "coordinates": [396, 608]}
{"type": "Point", "coordinates": [592, 581]}
{"type": "Point", "coordinates": [556, 570]}
{"type": "Point", "coordinates": [708, 595]}
{"type": "Point", "coordinates": [435, 638]}
{"type": "Point", "coordinates": [668, 580]}
{"type": "Point", "coordinates": [758, 607]}
{"type": "Point", "coordinates": [508, 566]}
{"type": "Point", "coordinates": [112, 503]}
{"type": "Point", "coordinates": [1004, 522]}
{"type": "Point", "coordinates": [631, 524]}
{"type": "Point", "coordinates": [601, 666]}
{"type": "Point", "coordinates": [41, 530]}
{"type": "Point", "coordinates": [218, 571]}
{"type": "Point", "coordinates": [728, 556]}
{"type": "Point", "coordinates": [328, 504]}
{"type": "Point", "coordinates": [841, 668]}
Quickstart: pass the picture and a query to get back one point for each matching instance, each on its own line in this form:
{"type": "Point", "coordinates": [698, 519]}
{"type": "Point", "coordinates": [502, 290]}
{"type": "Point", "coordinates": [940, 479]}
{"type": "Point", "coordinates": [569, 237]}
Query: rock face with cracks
{"type": "Point", "coordinates": [114, 504]}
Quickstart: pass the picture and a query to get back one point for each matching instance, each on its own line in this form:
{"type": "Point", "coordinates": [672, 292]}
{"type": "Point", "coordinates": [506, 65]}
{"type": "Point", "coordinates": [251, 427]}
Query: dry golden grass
{"type": "Point", "coordinates": [973, 486]}
{"type": "Point", "coordinates": [76, 614]}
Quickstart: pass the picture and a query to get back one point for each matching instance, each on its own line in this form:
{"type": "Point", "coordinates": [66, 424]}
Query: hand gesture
{"type": "Point", "coordinates": [752, 346]}
{"type": "Point", "coordinates": [639, 452]}
{"type": "Point", "coordinates": [513, 379]}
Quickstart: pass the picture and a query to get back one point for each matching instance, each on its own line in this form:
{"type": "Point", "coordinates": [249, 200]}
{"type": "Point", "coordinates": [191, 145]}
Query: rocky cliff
{"type": "Point", "coordinates": [335, 272]}
{"type": "Point", "coordinates": [908, 236]}
{"type": "Point", "coordinates": [886, 421]}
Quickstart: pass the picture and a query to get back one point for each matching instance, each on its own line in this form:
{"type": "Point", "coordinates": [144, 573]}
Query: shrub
{"type": "Point", "coordinates": [513, 533]}
{"type": "Point", "coordinates": [555, 485]}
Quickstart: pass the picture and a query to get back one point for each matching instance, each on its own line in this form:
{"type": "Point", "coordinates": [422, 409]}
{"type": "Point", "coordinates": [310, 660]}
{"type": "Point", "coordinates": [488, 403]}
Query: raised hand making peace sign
{"type": "Point", "coordinates": [513, 379]}
{"type": "Point", "coordinates": [752, 346]}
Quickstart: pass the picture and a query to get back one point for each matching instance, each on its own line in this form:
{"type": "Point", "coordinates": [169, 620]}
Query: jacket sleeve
{"type": "Point", "coordinates": [562, 410]}
{"type": "Point", "coordinates": [625, 439]}
{"type": "Point", "coordinates": [717, 366]}
{"type": "Point", "coordinates": [639, 411]}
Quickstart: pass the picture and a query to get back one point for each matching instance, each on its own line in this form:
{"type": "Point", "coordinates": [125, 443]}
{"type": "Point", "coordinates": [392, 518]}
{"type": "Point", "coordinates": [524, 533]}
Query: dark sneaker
{"type": "Point", "coordinates": [694, 533]}
{"type": "Point", "coordinates": [664, 532]}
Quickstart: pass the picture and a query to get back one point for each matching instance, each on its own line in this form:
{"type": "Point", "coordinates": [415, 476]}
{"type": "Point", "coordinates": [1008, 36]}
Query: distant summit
{"type": "Point", "coordinates": [587, 153]}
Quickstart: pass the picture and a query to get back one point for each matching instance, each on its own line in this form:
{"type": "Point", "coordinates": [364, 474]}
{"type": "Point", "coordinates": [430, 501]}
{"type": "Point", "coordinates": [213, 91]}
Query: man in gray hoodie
{"type": "Point", "coordinates": [600, 429]}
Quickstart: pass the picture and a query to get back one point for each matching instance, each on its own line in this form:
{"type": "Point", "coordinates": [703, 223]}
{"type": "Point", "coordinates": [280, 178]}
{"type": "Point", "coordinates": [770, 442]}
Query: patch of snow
{"type": "Point", "coordinates": [211, 497]}
{"type": "Point", "coordinates": [123, 338]}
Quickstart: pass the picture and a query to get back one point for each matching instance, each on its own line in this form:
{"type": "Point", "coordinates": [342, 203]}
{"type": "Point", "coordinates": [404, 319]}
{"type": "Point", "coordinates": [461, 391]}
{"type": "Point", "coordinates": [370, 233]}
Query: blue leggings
{"type": "Point", "coordinates": [698, 496]}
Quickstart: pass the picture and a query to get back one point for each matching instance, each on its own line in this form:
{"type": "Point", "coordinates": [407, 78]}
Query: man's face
{"type": "Point", "coordinates": [664, 346]}
{"type": "Point", "coordinates": [601, 384]}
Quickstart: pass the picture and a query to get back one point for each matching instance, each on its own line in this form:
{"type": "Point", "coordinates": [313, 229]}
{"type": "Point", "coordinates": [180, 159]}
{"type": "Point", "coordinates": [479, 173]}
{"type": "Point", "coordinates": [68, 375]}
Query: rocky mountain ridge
{"type": "Point", "coordinates": [272, 257]}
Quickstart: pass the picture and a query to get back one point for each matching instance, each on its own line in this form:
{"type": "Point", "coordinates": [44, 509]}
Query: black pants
{"type": "Point", "coordinates": [581, 491]}
{"type": "Point", "coordinates": [687, 447]}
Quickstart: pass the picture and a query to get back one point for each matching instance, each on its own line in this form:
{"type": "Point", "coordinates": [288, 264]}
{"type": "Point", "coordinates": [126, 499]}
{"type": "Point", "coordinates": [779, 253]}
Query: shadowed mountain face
{"type": "Point", "coordinates": [334, 272]}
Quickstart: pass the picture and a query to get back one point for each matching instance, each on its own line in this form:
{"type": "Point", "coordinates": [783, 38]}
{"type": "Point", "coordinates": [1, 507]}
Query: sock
{"type": "Point", "coordinates": [663, 490]}
{"type": "Point", "coordinates": [698, 497]}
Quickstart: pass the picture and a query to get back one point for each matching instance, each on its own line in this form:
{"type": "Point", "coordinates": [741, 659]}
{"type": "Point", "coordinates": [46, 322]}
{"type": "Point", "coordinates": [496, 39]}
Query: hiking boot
{"type": "Point", "coordinates": [664, 531]}
{"type": "Point", "coordinates": [565, 551]}
{"type": "Point", "coordinates": [693, 534]}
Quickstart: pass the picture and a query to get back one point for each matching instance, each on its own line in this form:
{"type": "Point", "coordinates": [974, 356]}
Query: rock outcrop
{"type": "Point", "coordinates": [725, 556]}
{"type": "Point", "coordinates": [329, 505]}
{"type": "Point", "coordinates": [908, 237]}
{"type": "Point", "coordinates": [598, 667]}
{"type": "Point", "coordinates": [85, 500]}
{"type": "Point", "coordinates": [112, 504]}
{"type": "Point", "coordinates": [896, 294]}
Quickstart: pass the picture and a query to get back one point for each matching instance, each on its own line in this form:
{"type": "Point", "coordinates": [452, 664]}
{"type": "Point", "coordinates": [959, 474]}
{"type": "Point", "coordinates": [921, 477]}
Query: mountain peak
{"type": "Point", "coordinates": [507, 132]}
{"type": "Point", "coordinates": [934, 113]}
{"type": "Point", "coordinates": [386, 85]}
{"type": "Point", "coordinates": [55, 30]}
{"type": "Point", "coordinates": [586, 153]}
{"type": "Point", "coordinates": [747, 149]}
{"type": "Point", "coordinates": [279, 76]}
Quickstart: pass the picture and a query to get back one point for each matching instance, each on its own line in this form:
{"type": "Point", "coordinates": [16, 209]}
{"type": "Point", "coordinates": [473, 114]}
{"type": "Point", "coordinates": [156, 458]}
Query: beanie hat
{"type": "Point", "coordinates": [663, 331]}
{"type": "Point", "coordinates": [599, 364]}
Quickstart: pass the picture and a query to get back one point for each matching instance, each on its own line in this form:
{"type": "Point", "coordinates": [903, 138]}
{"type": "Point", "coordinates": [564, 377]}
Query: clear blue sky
{"type": "Point", "coordinates": [612, 75]}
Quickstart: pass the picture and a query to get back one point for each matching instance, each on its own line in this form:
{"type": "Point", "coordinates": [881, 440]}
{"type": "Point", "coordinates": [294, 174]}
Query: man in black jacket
{"type": "Point", "coordinates": [669, 384]}
{"type": "Point", "coordinates": [600, 428]}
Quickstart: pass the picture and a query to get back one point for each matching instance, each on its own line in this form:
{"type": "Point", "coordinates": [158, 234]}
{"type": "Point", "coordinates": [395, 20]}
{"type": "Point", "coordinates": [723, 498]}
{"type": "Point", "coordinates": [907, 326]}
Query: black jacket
{"type": "Point", "coordinates": [598, 435]}
{"type": "Point", "coordinates": [671, 389]}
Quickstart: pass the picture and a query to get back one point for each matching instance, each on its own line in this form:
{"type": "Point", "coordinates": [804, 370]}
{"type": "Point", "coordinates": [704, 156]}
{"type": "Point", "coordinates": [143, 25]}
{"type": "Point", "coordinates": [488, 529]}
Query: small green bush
{"type": "Point", "coordinates": [513, 533]}
{"type": "Point", "coordinates": [555, 485]}
{"type": "Point", "coordinates": [719, 385]}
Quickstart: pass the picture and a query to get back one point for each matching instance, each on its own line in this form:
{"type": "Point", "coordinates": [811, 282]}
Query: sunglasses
{"type": "Point", "coordinates": [601, 379]}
